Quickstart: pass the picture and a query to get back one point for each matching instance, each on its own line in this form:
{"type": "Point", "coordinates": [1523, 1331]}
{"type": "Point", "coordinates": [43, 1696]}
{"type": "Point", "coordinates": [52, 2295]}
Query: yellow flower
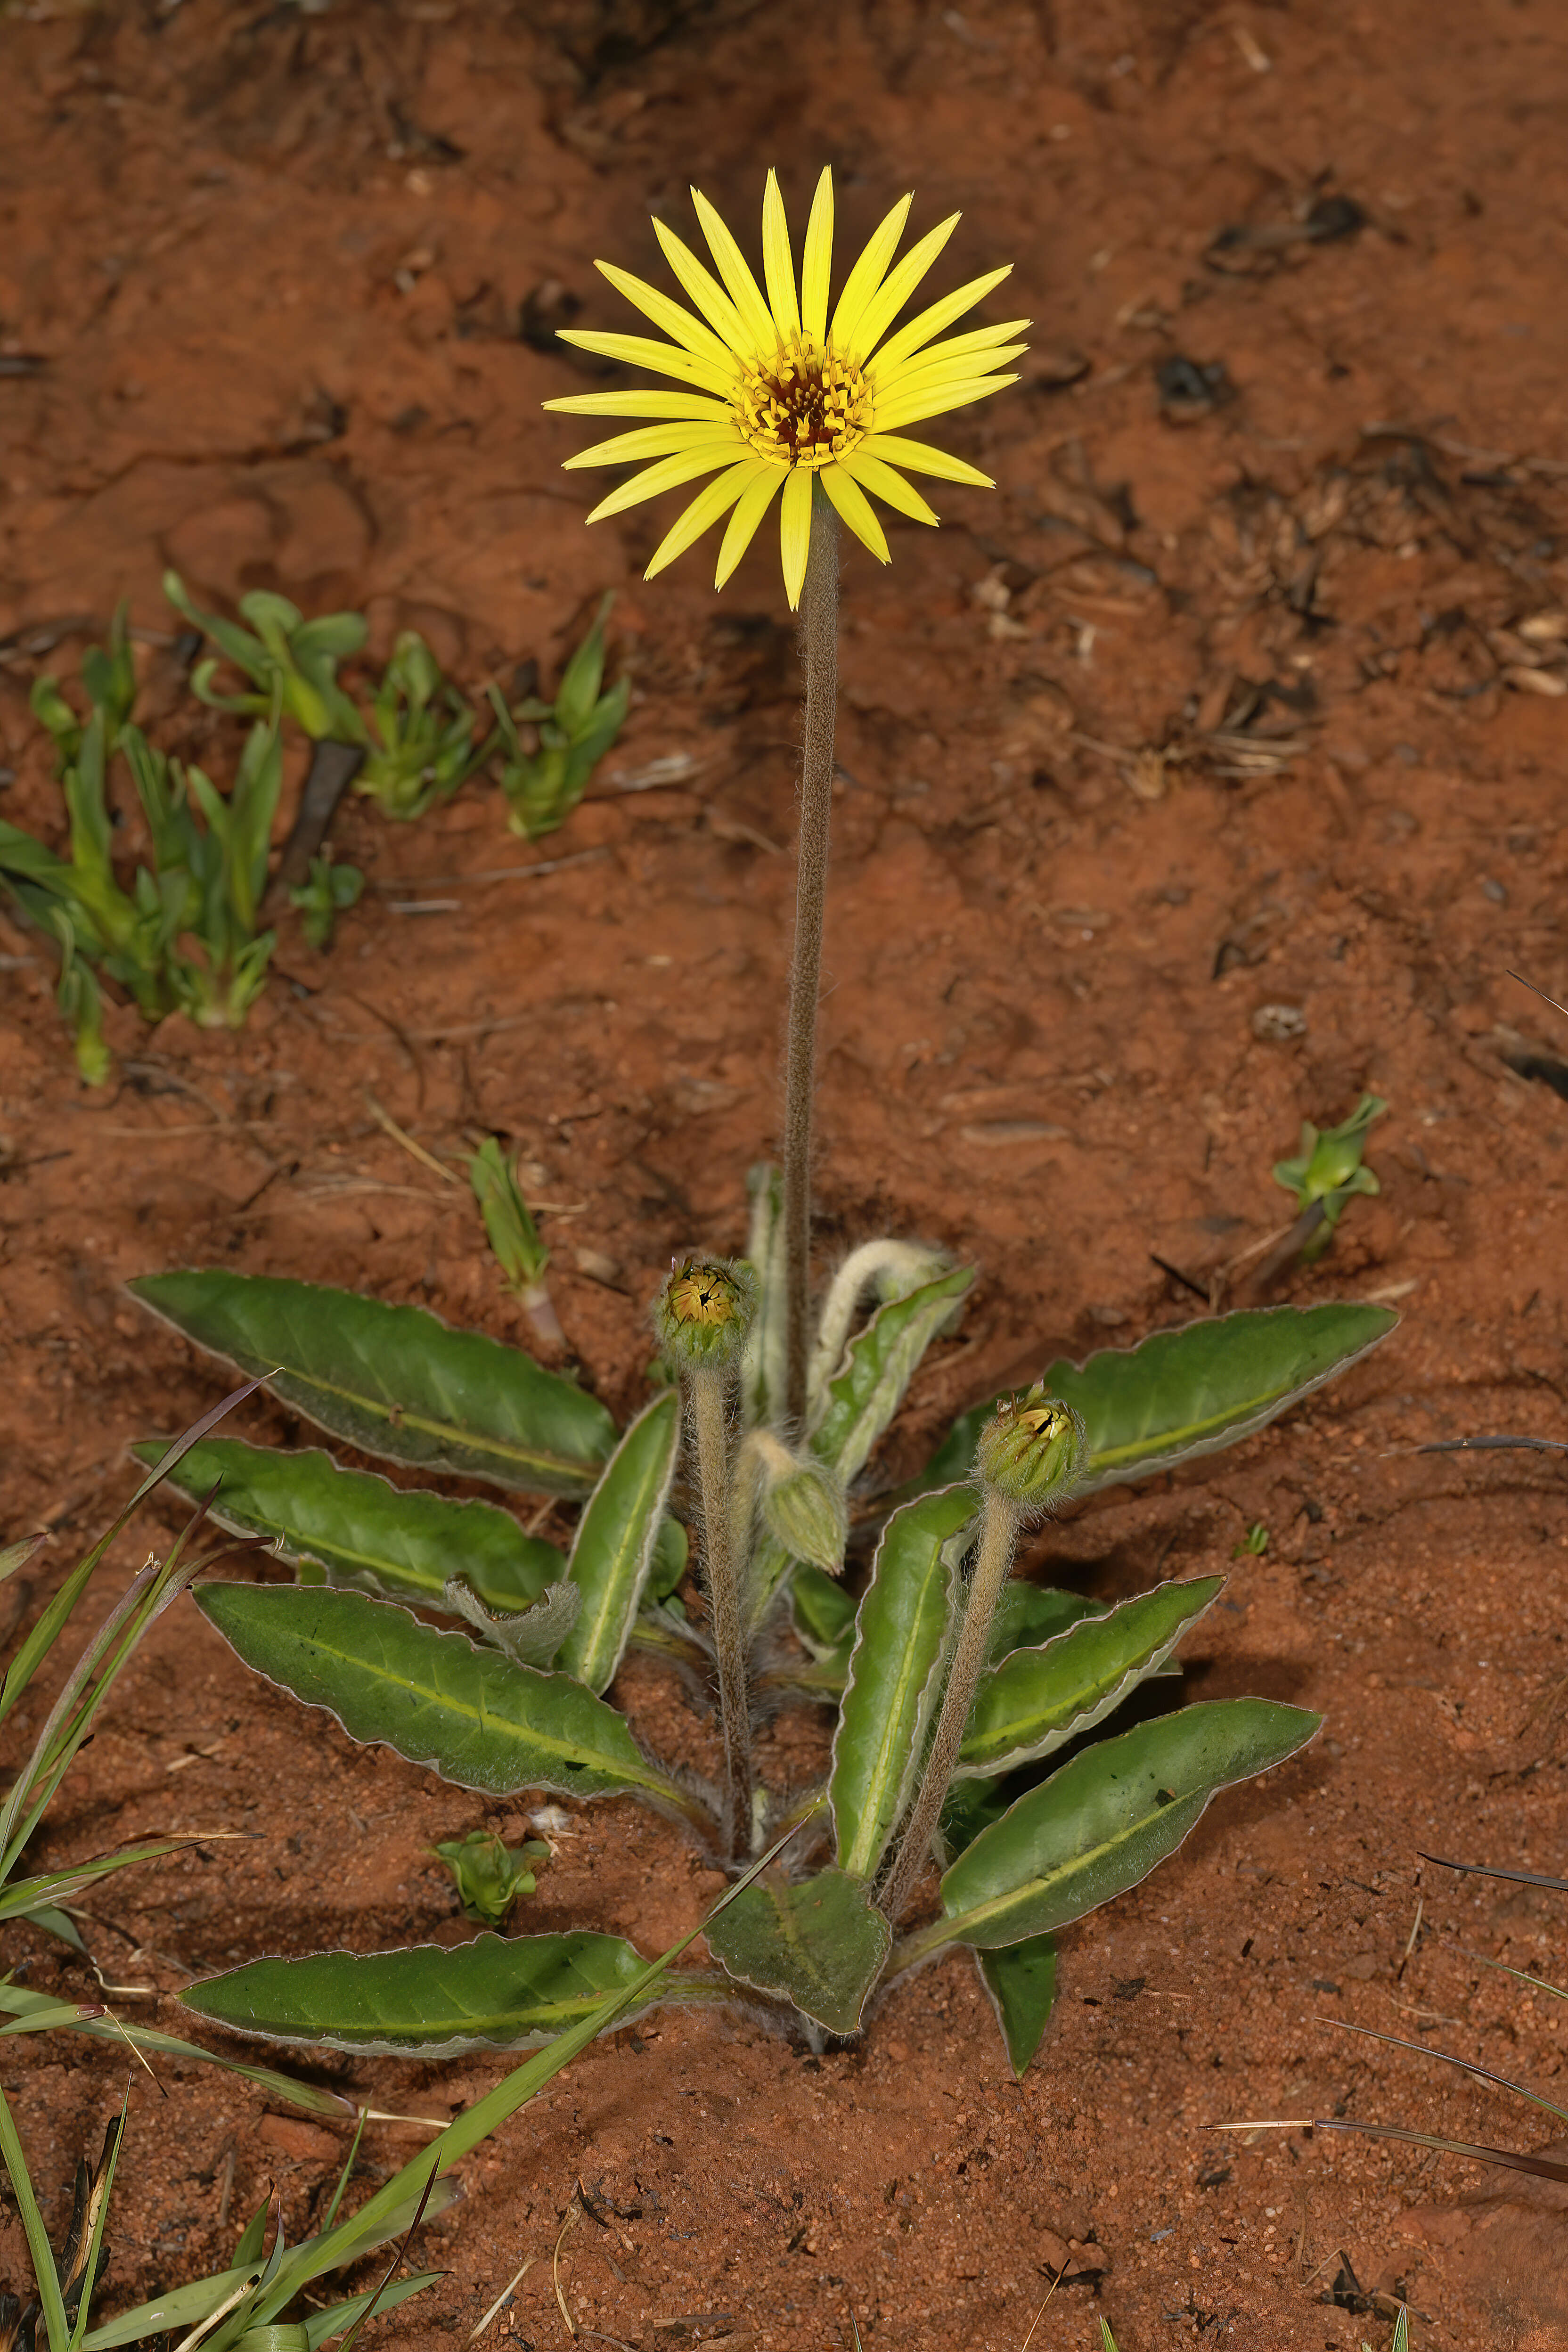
{"type": "Point", "coordinates": [777, 394]}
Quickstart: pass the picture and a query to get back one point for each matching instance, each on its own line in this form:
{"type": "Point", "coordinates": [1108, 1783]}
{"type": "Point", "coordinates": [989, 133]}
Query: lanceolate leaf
{"type": "Point", "coordinates": [901, 1640]}
{"type": "Point", "coordinates": [469, 1714]}
{"type": "Point", "coordinates": [495, 1993]}
{"type": "Point", "coordinates": [819, 1944]}
{"type": "Point", "coordinates": [1022, 1983]}
{"type": "Point", "coordinates": [1101, 1823]}
{"type": "Point", "coordinates": [878, 1366]}
{"type": "Point", "coordinates": [612, 1550]}
{"type": "Point", "coordinates": [395, 1381]}
{"type": "Point", "coordinates": [1182, 1394]}
{"type": "Point", "coordinates": [361, 1530]}
{"type": "Point", "coordinates": [1027, 1615]}
{"type": "Point", "coordinates": [1036, 1700]}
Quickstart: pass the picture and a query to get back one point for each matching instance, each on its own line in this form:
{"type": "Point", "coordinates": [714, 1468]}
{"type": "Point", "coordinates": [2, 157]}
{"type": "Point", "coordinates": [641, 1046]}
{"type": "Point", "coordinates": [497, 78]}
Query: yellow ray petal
{"type": "Point", "coordinates": [754, 503]}
{"type": "Point", "coordinates": [920, 458]}
{"type": "Point", "coordinates": [937, 402]}
{"type": "Point", "coordinates": [757, 318]}
{"type": "Point", "coordinates": [667, 475]}
{"type": "Point", "coordinates": [896, 289]}
{"type": "Point", "coordinates": [677, 324]}
{"type": "Point", "coordinates": [816, 263]}
{"type": "Point", "coordinates": [652, 441]}
{"type": "Point", "coordinates": [705, 508]}
{"type": "Point", "coordinates": [794, 533]}
{"type": "Point", "coordinates": [704, 289]}
{"type": "Point", "coordinates": [921, 328]}
{"type": "Point", "coordinates": [873, 475]}
{"type": "Point", "coordinates": [778, 262]}
{"type": "Point", "coordinates": [855, 509]}
{"type": "Point", "coordinates": [664, 359]}
{"type": "Point", "coordinates": [982, 339]}
{"type": "Point", "coordinates": [912, 378]}
{"type": "Point", "coordinates": [641, 401]}
{"type": "Point", "coordinates": [869, 273]}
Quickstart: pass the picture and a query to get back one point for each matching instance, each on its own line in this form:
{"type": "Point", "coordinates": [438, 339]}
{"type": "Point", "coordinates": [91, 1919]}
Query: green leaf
{"type": "Point", "coordinates": [670, 1552]}
{"type": "Point", "coordinates": [823, 1612]}
{"type": "Point", "coordinates": [1036, 1700]}
{"type": "Point", "coordinates": [612, 1550]}
{"type": "Point", "coordinates": [395, 1542]}
{"type": "Point", "coordinates": [508, 1223]}
{"type": "Point", "coordinates": [878, 1366]}
{"type": "Point", "coordinates": [529, 1637]}
{"type": "Point", "coordinates": [902, 1634]}
{"type": "Point", "coordinates": [495, 1993]}
{"type": "Point", "coordinates": [51, 1887]}
{"type": "Point", "coordinates": [820, 1945]}
{"type": "Point", "coordinates": [1182, 1394]}
{"type": "Point", "coordinates": [488, 1874]}
{"type": "Point", "coordinates": [1022, 1983]}
{"type": "Point", "coordinates": [470, 1714]}
{"type": "Point", "coordinates": [578, 692]}
{"type": "Point", "coordinates": [19, 2001]}
{"type": "Point", "coordinates": [395, 1381]}
{"type": "Point", "coordinates": [1027, 1615]}
{"type": "Point", "coordinates": [1101, 1823]}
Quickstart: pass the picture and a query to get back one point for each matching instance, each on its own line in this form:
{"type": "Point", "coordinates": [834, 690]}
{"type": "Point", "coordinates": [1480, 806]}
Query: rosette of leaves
{"type": "Point", "coordinates": [183, 936]}
{"type": "Point", "coordinates": [521, 1694]}
{"type": "Point", "coordinates": [1327, 1173]}
{"type": "Point", "coordinates": [545, 781]}
{"type": "Point", "coordinates": [291, 663]}
{"type": "Point", "coordinates": [328, 888]}
{"type": "Point", "coordinates": [422, 732]}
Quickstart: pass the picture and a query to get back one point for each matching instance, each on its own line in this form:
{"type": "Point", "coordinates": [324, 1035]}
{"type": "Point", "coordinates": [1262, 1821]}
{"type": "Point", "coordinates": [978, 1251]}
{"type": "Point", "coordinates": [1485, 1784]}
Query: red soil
{"type": "Point", "coordinates": [273, 264]}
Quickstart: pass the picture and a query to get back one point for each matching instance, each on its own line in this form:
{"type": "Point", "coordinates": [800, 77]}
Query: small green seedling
{"type": "Point", "coordinates": [1254, 1543]}
{"type": "Point", "coordinates": [184, 937]}
{"type": "Point", "coordinates": [1327, 1171]}
{"type": "Point", "coordinates": [514, 1238]}
{"type": "Point", "coordinates": [422, 732]}
{"type": "Point", "coordinates": [108, 681]}
{"type": "Point", "coordinates": [291, 662]}
{"type": "Point", "coordinates": [489, 1875]}
{"type": "Point", "coordinates": [331, 889]}
{"type": "Point", "coordinates": [544, 784]}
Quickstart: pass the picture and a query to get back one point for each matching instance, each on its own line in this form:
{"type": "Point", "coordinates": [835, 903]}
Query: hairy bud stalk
{"type": "Point", "coordinates": [1029, 1455]}
{"type": "Point", "coordinates": [702, 1317]}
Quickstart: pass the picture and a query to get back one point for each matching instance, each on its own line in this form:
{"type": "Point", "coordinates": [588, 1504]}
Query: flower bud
{"type": "Point", "coordinates": [1033, 1450]}
{"type": "Point", "coordinates": [705, 1310]}
{"type": "Point", "coordinates": [804, 1511]}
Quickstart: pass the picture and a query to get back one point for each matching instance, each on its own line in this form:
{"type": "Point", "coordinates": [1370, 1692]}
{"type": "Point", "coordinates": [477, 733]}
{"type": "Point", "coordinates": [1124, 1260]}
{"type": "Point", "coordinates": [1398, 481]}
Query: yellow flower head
{"type": "Point", "coordinates": [777, 392]}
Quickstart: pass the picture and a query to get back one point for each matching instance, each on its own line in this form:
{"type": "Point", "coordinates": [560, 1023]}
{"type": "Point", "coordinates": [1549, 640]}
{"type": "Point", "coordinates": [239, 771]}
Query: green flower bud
{"type": "Point", "coordinates": [1033, 1450]}
{"type": "Point", "coordinates": [804, 1511]}
{"type": "Point", "coordinates": [705, 1310]}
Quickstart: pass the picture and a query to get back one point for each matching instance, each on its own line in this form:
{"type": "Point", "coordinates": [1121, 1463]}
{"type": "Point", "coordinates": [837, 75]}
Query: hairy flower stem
{"type": "Point", "coordinates": [998, 1533]}
{"type": "Point", "coordinates": [819, 646]}
{"type": "Point", "coordinates": [705, 1387]}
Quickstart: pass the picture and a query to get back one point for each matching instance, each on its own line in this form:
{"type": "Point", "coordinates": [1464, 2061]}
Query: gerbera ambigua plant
{"type": "Point", "coordinates": [791, 396]}
{"type": "Point", "coordinates": [954, 1685]}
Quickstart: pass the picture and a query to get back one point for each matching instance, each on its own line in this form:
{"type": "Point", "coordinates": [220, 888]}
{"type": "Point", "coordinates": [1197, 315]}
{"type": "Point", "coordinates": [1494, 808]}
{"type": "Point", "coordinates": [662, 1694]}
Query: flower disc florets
{"type": "Point", "coordinates": [705, 1310]}
{"type": "Point", "coordinates": [1033, 1450]}
{"type": "Point", "coordinates": [806, 408]}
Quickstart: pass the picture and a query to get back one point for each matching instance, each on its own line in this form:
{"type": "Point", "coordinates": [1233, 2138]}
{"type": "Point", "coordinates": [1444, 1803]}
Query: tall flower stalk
{"type": "Point", "coordinates": [785, 394]}
{"type": "Point", "coordinates": [819, 646]}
